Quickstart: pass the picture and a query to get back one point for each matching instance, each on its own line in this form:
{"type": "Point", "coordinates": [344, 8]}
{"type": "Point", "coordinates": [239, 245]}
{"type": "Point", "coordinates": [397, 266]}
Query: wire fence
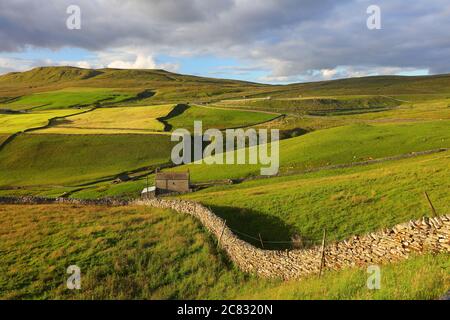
{"type": "Point", "coordinates": [300, 242]}
{"type": "Point", "coordinates": [309, 242]}
{"type": "Point", "coordinates": [259, 239]}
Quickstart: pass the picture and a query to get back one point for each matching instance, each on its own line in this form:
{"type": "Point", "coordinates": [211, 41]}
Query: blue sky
{"type": "Point", "coordinates": [264, 41]}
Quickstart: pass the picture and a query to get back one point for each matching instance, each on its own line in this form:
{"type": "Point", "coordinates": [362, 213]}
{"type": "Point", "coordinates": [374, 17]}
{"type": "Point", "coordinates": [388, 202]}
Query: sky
{"type": "Point", "coordinates": [269, 41]}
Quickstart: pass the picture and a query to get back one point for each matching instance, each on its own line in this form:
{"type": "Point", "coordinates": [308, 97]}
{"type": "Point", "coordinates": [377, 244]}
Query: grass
{"type": "Point", "coordinates": [124, 252]}
{"type": "Point", "coordinates": [125, 119]}
{"type": "Point", "coordinates": [318, 105]}
{"type": "Point", "coordinates": [3, 137]}
{"type": "Point", "coordinates": [12, 123]}
{"type": "Point", "coordinates": [338, 145]}
{"type": "Point", "coordinates": [147, 253]}
{"type": "Point", "coordinates": [66, 98]}
{"type": "Point", "coordinates": [344, 202]}
{"type": "Point", "coordinates": [422, 278]}
{"type": "Point", "coordinates": [46, 159]}
{"type": "Point", "coordinates": [124, 190]}
{"type": "Point", "coordinates": [219, 118]}
{"type": "Point", "coordinates": [334, 146]}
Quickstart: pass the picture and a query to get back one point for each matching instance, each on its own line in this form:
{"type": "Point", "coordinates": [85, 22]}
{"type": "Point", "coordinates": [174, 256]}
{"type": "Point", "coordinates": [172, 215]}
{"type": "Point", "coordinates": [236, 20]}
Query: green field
{"type": "Point", "coordinates": [3, 137]}
{"type": "Point", "coordinates": [126, 190]}
{"type": "Point", "coordinates": [104, 120]}
{"type": "Point", "coordinates": [335, 146]}
{"type": "Point", "coordinates": [218, 118]}
{"type": "Point", "coordinates": [12, 123]}
{"type": "Point", "coordinates": [45, 159]}
{"type": "Point", "coordinates": [344, 202]}
{"type": "Point", "coordinates": [339, 145]}
{"type": "Point", "coordinates": [66, 98]}
{"type": "Point", "coordinates": [147, 253]}
{"type": "Point", "coordinates": [319, 105]}
{"type": "Point", "coordinates": [111, 122]}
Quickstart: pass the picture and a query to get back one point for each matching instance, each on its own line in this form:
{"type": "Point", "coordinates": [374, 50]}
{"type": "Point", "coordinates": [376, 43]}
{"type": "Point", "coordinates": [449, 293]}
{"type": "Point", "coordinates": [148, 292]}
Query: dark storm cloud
{"type": "Point", "coordinates": [288, 38]}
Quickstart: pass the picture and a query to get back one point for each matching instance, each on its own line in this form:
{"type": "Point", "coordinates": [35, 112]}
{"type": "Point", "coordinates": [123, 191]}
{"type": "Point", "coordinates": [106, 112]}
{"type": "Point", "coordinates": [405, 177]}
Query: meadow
{"type": "Point", "coordinates": [339, 145]}
{"type": "Point", "coordinates": [122, 119]}
{"type": "Point", "coordinates": [148, 253]}
{"type": "Point", "coordinates": [343, 202]}
{"type": "Point", "coordinates": [317, 106]}
{"type": "Point", "coordinates": [218, 118]}
{"type": "Point", "coordinates": [99, 132]}
{"type": "Point", "coordinates": [66, 98]}
{"type": "Point", "coordinates": [3, 138]}
{"type": "Point", "coordinates": [12, 123]}
{"type": "Point", "coordinates": [55, 159]}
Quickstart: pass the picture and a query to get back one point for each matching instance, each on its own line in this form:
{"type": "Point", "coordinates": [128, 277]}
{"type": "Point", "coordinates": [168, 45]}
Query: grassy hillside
{"type": "Point", "coordinates": [386, 85]}
{"type": "Point", "coordinates": [344, 202]}
{"type": "Point", "coordinates": [172, 87]}
{"type": "Point", "coordinates": [147, 253]}
{"type": "Point", "coordinates": [12, 123]}
{"type": "Point", "coordinates": [168, 86]}
{"type": "Point", "coordinates": [44, 159]}
{"type": "Point", "coordinates": [342, 145]}
{"type": "Point", "coordinates": [125, 119]}
{"type": "Point", "coordinates": [418, 278]}
{"type": "Point", "coordinates": [66, 98]}
{"type": "Point", "coordinates": [339, 145]}
{"type": "Point", "coordinates": [125, 252]}
{"type": "Point", "coordinates": [218, 118]}
{"type": "Point", "coordinates": [3, 137]}
{"type": "Point", "coordinates": [318, 106]}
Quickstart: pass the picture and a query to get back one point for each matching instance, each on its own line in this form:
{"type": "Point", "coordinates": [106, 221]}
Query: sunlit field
{"type": "Point", "coordinates": [147, 253]}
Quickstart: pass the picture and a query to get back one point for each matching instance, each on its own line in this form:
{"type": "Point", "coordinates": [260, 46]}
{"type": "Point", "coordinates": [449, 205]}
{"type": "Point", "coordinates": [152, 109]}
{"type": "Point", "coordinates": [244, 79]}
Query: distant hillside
{"type": "Point", "coordinates": [377, 85]}
{"type": "Point", "coordinates": [53, 78]}
{"type": "Point", "coordinates": [177, 87]}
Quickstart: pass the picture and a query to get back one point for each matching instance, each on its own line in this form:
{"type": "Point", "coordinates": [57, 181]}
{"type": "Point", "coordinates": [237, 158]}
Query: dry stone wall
{"type": "Point", "coordinates": [42, 200]}
{"type": "Point", "coordinates": [389, 245]}
{"type": "Point", "coordinates": [385, 246]}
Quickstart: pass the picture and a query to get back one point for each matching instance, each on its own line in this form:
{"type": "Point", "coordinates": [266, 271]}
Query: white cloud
{"type": "Point", "coordinates": [141, 62]}
{"type": "Point", "coordinates": [12, 64]}
{"type": "Point", "coordinates": [131, 58]}
{"type": "Point", "coordinates": [328, 73]}
{"type": "Point", "coordinates": [289, 39]}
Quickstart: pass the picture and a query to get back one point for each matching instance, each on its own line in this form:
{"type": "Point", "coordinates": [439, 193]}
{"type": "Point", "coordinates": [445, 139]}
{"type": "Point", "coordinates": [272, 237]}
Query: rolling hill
{"type": "Point", "coordinates": [101, 133]}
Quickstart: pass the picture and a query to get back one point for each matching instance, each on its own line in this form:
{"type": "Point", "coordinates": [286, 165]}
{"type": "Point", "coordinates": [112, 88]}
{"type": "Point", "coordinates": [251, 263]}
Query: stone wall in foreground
{"type": "Point", "coordinates": [389, 245]}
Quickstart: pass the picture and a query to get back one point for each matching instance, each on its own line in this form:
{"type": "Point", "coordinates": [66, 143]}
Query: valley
{"type": "Point", "coordinates": [356, 156]}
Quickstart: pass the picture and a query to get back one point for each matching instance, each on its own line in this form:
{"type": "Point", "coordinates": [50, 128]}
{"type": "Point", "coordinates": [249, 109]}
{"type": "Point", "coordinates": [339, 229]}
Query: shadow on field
{"type": "Point", "coordinates": [247, 224]}
{"type": "Point", "coordinates": [178, 110]}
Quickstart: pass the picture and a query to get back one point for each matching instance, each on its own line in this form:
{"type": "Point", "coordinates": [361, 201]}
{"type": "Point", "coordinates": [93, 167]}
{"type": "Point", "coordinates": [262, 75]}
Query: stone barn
{"type": "Point", "coordinates": [148, 193]}
{"type": "Point", "coordinates": [172, 182]}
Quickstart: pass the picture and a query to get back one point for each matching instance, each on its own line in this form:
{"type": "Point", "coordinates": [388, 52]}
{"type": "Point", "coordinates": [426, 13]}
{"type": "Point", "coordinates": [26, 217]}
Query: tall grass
{"type": "Point", "coordinates": [148, 253]}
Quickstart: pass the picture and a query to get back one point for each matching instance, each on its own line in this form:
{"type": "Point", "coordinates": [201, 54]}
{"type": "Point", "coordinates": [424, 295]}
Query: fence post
{"type": "Point", "coordinates": [431, 204]}
{"type": "Point", "coordinates": [221, 234]}
{"type": "Point", "coordinates": [322, 257]}
{"type": "Point", "coordinates": [260, 239]}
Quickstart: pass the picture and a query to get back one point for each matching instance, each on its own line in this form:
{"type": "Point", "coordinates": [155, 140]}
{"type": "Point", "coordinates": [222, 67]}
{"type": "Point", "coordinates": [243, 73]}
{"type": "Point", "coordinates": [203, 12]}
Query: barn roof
{"type": "Point", "coordinates": [172, 176]}
{"type": "Point", "coordinates": [149, 189]}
